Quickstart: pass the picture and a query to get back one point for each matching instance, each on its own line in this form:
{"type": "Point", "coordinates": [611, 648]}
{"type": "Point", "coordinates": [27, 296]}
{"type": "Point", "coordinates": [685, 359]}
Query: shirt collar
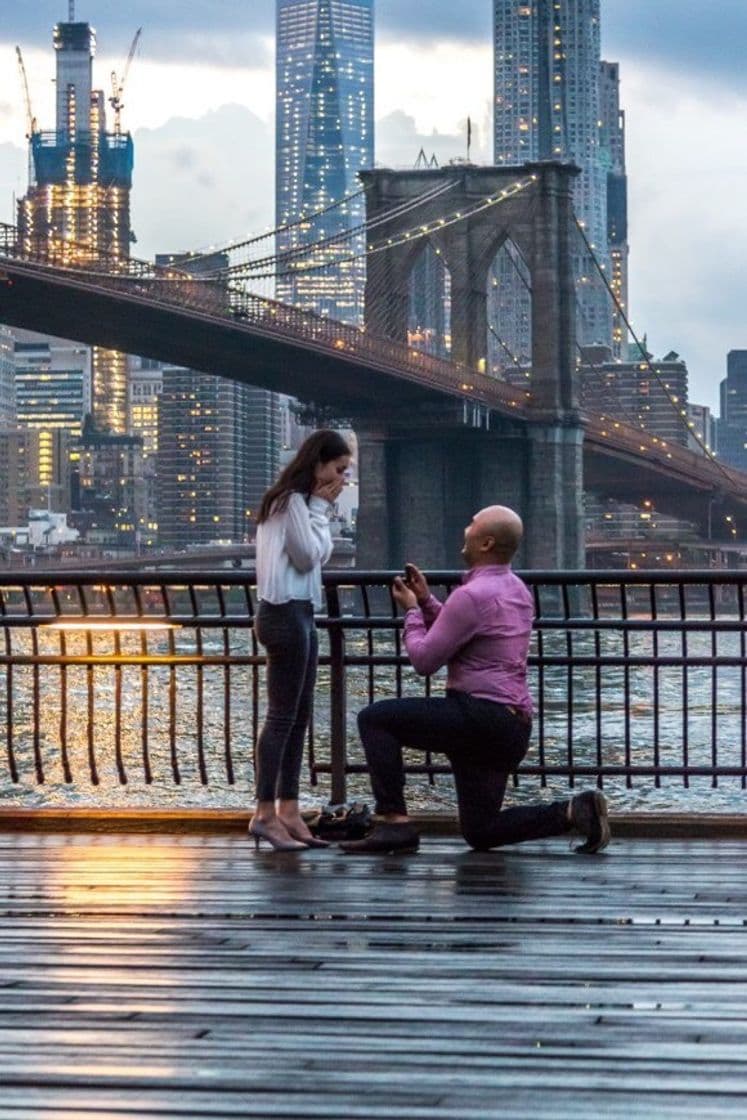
{"type": "Point", "coordinates": [485, 570]}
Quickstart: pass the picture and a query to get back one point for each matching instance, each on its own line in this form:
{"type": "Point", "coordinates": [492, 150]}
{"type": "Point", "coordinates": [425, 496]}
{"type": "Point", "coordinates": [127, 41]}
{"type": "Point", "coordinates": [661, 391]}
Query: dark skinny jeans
{"type": "Point", "coordinates": [484, 742]}
{"type": "Point", "coordinates": [288, 633]}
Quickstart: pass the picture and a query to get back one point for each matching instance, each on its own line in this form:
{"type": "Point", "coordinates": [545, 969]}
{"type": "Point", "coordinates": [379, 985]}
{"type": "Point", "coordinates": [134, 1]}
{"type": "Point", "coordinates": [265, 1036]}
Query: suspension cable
{"type": "Point", "coordinates": [410, 236]}
{"type": "Point", "coordinates": [644, 355]}
{"type": "Point", "coordinates": [306, 248]}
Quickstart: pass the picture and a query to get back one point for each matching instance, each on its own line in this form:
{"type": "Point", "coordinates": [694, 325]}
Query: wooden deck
{"type": "Point", "coordinates": [187, 976]}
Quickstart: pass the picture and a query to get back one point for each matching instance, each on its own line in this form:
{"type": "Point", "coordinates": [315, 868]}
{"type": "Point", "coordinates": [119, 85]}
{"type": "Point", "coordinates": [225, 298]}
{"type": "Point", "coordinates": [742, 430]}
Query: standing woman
{"type": "Point", "coordinates": [293, 541]}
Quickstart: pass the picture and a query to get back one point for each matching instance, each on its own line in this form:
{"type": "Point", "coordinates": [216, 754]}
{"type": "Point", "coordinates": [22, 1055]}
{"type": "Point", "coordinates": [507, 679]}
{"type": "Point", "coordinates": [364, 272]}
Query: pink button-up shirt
{"type": "Point", "coordinates": [481, 633]}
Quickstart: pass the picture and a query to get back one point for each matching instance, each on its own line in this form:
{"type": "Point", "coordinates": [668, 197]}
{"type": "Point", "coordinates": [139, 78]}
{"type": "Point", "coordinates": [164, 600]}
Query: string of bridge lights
{"type": "Point", "coordinates": [410, 236]}
{"type": "Point", "coordinates": [302, 219]}
{"type": "Point", "coordinates": [250, 267]}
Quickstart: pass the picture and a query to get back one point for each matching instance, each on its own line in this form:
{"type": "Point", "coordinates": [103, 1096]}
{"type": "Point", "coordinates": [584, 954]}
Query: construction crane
{"type": "Point", "coordinates": [30, 118]}
{"type": "Point", "coordinates": [118, 84]}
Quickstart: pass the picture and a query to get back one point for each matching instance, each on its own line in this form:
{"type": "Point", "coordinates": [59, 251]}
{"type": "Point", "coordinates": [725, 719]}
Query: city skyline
{"type": "Point", "coordinates": [674, 74]}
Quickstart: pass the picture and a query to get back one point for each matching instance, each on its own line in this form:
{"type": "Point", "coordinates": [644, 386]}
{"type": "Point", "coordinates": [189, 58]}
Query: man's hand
{"type": "Point", "coordinates": [402, 595]}
{"type": "Point", "coordinates": [418, 584]}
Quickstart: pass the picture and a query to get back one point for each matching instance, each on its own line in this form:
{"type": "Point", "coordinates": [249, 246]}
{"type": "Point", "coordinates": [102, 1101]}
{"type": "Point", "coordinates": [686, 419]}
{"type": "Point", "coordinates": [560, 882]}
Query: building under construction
{"type": "Point", "coordinates": [78, 203]}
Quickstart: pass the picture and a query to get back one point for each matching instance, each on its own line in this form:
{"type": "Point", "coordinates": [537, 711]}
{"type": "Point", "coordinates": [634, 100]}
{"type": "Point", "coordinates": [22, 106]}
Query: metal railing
{"type": "Point", "coordinates": [156, 680]}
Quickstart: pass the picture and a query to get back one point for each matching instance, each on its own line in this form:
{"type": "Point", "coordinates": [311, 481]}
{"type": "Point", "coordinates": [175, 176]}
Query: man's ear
{"type": "Point", "coordinates": [487, 544]}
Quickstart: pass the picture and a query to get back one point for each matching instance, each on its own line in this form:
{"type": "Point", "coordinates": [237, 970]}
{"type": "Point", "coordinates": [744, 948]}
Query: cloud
{"type": "Point", "coordinates": [694, 37]}
{"type": "Point", "coordinates": [399, 142]}
{"type": "Point", "coordinates": [687, 231]}
{"type": "Point", "coordinates": [220, 33]}
{"type": "Point", "coordinates": [202, 182]}
{"type": "Point", "coordinates": [12, 179]}
{"type": "Point", "coordinates": [467, 22]}
{"type": "Point", "coordinates": [439, 85]}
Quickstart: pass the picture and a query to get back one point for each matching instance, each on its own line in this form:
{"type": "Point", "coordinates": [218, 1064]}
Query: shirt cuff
{"type": "Point", "coordinates": [320, 505]}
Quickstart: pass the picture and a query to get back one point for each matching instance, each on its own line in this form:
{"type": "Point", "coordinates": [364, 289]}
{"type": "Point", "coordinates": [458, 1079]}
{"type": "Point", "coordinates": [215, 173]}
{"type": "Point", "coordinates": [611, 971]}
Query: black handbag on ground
{"type": "Point", "coordinates": [343, 822]}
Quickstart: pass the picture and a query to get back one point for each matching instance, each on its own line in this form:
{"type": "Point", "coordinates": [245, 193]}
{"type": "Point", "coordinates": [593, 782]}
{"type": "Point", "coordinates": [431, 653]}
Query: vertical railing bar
{"type": "Point", "coordinates": [36, 706]}
{"type": "Point", "coordinates": [540, 717]}
{"type": "Point", "coordinates": [714, 684]}
{"type": "Point", "coordinates": [35, 676]}
{"type": "Point", "coordinates": [172, 709]}
{"type": "Point", "coordinates": [370, 643]}
{"type": "Point", "coordinates": [144, 691]}
{"type": "Point", "coordinates": [624, 613]}
{"type": "Point", "coordinates": [118, 756]}
{"type": "Point", "coordinates": [145, 711]}
{"type": "Point", "coordinates": [255, 693]}
{"type": "Point", "coordinates": [656, 709]}
{"type": "Point", "coordinates": [200, 675]}
{"type": "Point", "coordinates": [90, 681]}
{"type": "Point", "coordinates": [565, 599]}
{"type": "Point", "coordinates": [338, 696]}
{"type": "Point", "coordinates": [64, 754]}
{"type": "Point", "coordinates": [685, 692]}
{"type": "Point", "coordinates": [597, 684]}
{"type": "Point", "coordinates": [64, 758]}
{"type": "Point", "coordinates": [9, 746]}
{"type": "Point", "coordinates": [226, 688]}
{"type": "Point", "coordinates": [743, 690]}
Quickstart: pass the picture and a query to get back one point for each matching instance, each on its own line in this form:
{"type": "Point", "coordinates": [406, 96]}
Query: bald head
{"type": "Point", "coordinates": [493, 536]}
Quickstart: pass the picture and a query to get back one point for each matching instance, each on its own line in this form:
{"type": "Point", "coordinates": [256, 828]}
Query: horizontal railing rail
{"type": "Point", "coordinates": [155, 680]}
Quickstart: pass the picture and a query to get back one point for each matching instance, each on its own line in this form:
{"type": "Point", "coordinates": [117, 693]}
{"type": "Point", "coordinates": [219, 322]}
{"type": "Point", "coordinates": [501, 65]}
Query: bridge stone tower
{"type": "Point", "coordinates": [422, 477]}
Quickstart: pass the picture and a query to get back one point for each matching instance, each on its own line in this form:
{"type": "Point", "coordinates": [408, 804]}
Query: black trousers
{"type": "Point", "coordinates": [288, 633]}
{"type": "Point", "coordinates": [484, 743]}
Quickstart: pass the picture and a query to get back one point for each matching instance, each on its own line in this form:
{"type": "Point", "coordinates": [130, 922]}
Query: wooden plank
{"type": "Point", "coordinates": [150, 975]}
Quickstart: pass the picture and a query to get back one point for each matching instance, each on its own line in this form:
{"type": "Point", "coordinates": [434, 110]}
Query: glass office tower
{"type": "Point", "coordinates": [324, 138]}
{"type": "Point", "coordinates": [547, 106]}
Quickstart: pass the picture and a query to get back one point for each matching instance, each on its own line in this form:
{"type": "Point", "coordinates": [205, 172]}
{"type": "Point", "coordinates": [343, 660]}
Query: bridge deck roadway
{"type": "Point", "coordinates": [128, 316]}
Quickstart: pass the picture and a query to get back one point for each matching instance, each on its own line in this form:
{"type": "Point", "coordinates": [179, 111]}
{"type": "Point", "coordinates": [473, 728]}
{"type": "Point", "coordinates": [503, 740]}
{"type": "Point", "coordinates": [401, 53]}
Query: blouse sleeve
{"type": "Point", "coordinates": [308, 540]}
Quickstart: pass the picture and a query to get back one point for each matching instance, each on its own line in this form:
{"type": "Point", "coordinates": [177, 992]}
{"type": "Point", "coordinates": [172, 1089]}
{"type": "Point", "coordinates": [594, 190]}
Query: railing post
{"type": "Point", "coordinates": [338, 698]}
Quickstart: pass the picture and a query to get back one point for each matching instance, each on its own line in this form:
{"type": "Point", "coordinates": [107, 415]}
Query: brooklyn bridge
{"type": "Point", "coordinates": [438, 436]}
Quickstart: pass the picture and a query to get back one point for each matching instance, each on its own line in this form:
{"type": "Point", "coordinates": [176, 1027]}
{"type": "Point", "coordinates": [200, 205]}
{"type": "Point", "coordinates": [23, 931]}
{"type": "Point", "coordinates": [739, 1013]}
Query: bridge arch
{"type": "Point", "coordinates": [509, 314]}
{"type": "Point", "coordinates": [429, 301]}
{"type": "Point", "coordinates": [477, 211]}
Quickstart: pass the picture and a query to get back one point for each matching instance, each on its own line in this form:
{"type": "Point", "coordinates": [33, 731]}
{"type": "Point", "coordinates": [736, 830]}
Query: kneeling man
{"type": "Point", "coordinates": [483, 723]}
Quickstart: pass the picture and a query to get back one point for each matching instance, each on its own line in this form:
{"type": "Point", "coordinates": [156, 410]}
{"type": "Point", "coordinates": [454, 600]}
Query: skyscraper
{"type": "Point", "coordinates": [732, 427]}
{"type": "Point", "coordinates": [7, 379]}
{"type": "Point", "coordinates": [215, 456]}
{"type": "Point", "coordinates": [547, 59]}
{"type": "Point", "coordinates": [78, 202]}
{"type": "Point", "coordinates": [53, 394]}
{"type": "Point", "coordinates": [324, 138]}
{"type": "Point", "coordinates": [612, 123]}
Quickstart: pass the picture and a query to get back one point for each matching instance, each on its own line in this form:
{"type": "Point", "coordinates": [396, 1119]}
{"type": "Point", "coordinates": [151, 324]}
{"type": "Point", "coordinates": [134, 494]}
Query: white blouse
{"type": "Point", "coordinates": [291, 548]}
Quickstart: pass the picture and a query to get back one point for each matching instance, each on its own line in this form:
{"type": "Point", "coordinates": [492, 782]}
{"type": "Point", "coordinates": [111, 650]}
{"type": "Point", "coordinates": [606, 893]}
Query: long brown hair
{"type": "Point", "coordinates": [298, 477]}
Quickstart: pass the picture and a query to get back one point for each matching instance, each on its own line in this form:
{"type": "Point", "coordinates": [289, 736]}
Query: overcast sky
{"type": "Point", "coordinates": [199, 101]}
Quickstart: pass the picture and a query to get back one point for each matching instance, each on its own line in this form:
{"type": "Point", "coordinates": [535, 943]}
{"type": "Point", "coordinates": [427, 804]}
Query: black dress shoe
{"type": "Point", "coordinates": [383, 838]}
